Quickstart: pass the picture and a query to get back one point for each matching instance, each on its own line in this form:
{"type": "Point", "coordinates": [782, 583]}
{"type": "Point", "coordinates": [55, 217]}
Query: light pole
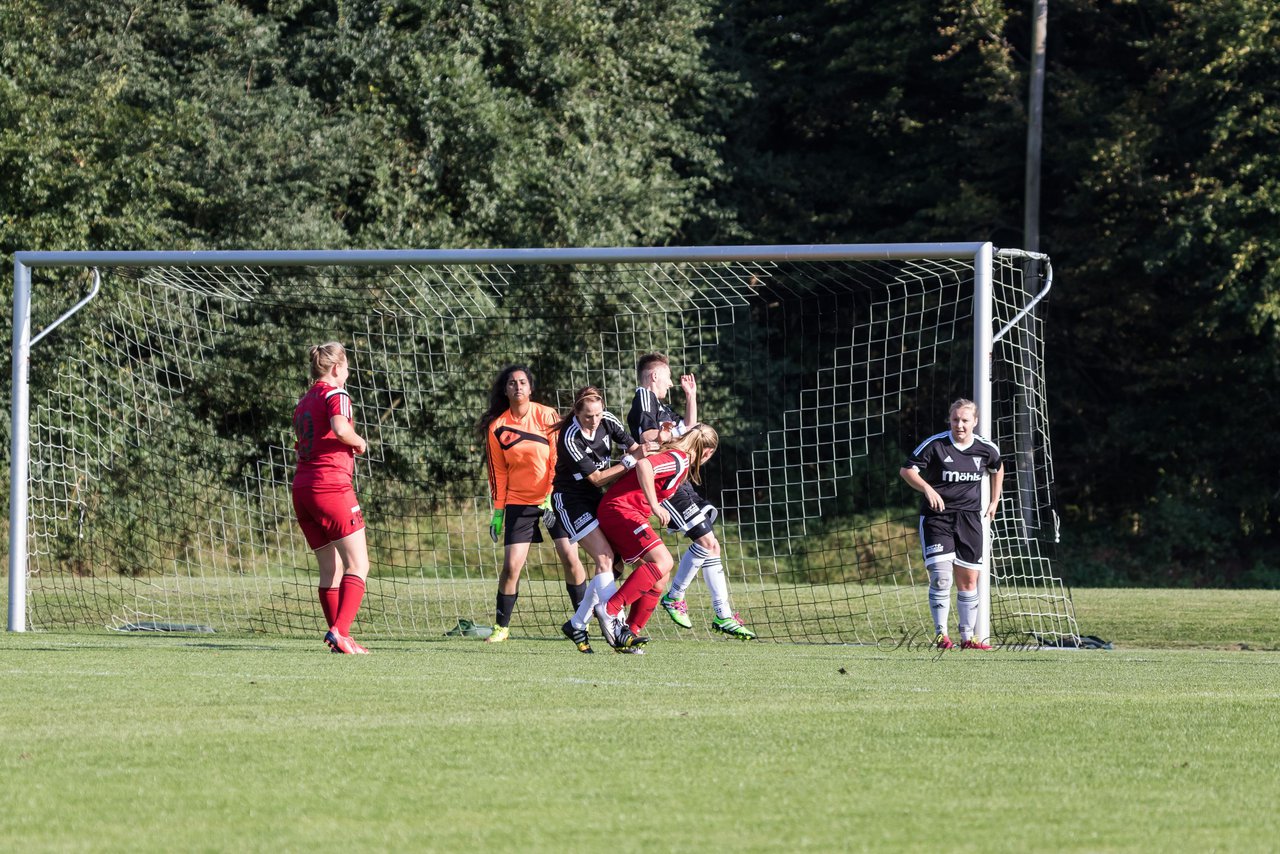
{"type": "Point", "coordinates": [1035, 126]}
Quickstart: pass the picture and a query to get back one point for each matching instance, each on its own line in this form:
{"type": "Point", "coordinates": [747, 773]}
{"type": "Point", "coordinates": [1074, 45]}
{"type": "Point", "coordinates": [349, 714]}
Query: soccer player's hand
{"type": "Point", "coordinates": [991, 509]}
{"type": "Point", "coordinates": [663, 516]}
{"type": "Point", "coordinates": [689, 384]}
{"type": "Point", "coordinates": [935, 500]}
{"type": "Point", "coordinates": [495, 525]}
{"type": "Point", "coordinates": [548, 515]}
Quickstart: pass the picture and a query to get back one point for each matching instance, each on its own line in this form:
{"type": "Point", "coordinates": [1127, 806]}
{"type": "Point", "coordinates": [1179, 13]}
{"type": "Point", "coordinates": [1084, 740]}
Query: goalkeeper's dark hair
{"type": "Point", "coordinates": [498, 402]}
{"type": "Point", "coordinates": [695, 440]}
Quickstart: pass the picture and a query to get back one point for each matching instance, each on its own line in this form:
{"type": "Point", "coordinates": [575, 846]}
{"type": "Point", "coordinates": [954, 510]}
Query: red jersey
{"type": "Point", "coordinates": [522, 459]}
{"type": "Point", "coordinates": [324, 463]}
{"type": "Point", "coordinates": [626, 498]}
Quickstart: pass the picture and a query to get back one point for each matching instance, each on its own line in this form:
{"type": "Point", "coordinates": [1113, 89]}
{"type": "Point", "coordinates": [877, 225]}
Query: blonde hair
{"type": "Point", "coordinates": [324, 357]}
{"type": "Point", "coordinates": [695, 440]}
{"type": "Point", "coordinates": [962, 403]}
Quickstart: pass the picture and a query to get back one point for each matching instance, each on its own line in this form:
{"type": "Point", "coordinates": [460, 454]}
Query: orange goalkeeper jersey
{"type": "Point", "coordinates": [522, 457]}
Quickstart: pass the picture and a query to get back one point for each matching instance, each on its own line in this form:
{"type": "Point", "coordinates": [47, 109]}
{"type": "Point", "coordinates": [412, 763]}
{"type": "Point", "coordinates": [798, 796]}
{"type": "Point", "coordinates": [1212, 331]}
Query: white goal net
{"type": "Point", "coordinates": [152, 444]}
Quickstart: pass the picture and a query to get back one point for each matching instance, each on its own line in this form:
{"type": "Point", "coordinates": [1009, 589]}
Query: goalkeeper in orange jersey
{"type": "Point", "coordinates": [521, 461]}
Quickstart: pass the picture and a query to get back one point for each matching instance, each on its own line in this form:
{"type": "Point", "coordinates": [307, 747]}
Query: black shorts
{"type": "Point", "coordinates": [576, 513]}
{"type": "Point", "coordinates": [955, 536]}
{"type": "Point", "coordinates": [520, 525]}
{"type": "Point", "coordinates": [690, 514]}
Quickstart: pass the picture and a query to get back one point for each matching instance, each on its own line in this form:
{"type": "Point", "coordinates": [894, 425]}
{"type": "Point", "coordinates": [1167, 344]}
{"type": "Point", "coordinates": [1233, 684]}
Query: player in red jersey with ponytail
{"type": "Point", "coordinates": [624, 515]}
{"type": "Point", "coordinates": [323, 498]}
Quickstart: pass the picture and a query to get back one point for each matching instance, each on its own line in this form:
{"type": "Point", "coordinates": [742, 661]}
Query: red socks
{"type": "Point", "coordinates": [643, 609]}
{"type": "Point", "coordinates": [350, 596]}
{"type": "Point", "coordinates": [645, 577]}
{"type": "Point", "coordinates": [329, 604]}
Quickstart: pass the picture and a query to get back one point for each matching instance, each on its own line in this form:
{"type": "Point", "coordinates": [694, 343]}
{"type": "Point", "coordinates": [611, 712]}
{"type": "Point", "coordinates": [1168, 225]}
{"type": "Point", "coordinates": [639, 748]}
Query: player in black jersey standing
{"type": "Point", "coordinates": [948, 468]}
{"type": "Point", "coordinates": [652, 422]}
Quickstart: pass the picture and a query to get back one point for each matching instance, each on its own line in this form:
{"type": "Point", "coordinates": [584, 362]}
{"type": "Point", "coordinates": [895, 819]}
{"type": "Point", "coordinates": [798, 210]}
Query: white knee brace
{"type": "Point", "coordinates": [940, 576]}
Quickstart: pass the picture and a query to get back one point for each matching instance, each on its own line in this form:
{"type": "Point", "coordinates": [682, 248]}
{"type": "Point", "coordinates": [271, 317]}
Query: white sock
{"type": "Point", "coordinates": [966, 612]}
{"type": "Point", "coordinates": [599, 590]}
{"type": "Point", "coordinates": [717, 586]}
{"type": "Point", "coordinates": [690, 562]}
{"type": "Point", "coordinates": [940, 596]}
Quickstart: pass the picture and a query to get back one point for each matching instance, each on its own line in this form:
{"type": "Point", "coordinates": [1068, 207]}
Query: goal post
{"type": "Point", "coordinates": [20, 355]}
{"type": "Point", "coordinates": [152, 454]}
{"type": "Point", "coordinates": [982, 355]}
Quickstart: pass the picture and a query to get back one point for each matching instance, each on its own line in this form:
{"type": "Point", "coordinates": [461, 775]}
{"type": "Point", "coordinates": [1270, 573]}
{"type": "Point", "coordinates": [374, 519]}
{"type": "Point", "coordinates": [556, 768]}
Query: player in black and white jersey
{"type": "Point", "coordinates": [948, 468]}
{"type": "Point", "coordinates": [584, 466]}
{"type": "Point", "coordinates": [652, 422]}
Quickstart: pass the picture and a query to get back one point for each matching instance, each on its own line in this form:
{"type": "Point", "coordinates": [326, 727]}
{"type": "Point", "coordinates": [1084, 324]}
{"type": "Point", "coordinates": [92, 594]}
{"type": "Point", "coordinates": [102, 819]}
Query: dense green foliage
{"type": "Point", "coordinates": [551, 122]}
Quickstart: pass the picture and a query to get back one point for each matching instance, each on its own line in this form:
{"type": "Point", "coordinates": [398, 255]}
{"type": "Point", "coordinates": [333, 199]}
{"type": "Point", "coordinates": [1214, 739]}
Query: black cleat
{"type": "Point", "coordinates": [627, 640]}
{"type": "Point", "coordinates": [578, 636]}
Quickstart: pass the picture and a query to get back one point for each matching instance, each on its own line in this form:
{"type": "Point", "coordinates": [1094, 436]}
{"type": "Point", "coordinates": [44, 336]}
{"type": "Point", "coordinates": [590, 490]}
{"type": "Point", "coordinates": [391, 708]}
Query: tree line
{"type": "Point", "coordinates": [426, 123]}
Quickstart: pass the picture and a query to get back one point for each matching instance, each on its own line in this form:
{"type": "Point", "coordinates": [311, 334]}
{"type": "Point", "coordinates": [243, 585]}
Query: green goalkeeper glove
{"type": "Point", "coordinates": [495, 524]}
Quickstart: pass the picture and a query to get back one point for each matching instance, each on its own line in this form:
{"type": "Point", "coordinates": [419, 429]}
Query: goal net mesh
{"type": "Point", "coordinates": [161, 450]}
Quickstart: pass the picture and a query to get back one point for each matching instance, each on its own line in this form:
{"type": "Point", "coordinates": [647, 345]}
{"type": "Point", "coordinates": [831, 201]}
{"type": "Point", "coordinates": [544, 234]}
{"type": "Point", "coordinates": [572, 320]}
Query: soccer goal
{"type": "Point", "coordinates": [152, 445]}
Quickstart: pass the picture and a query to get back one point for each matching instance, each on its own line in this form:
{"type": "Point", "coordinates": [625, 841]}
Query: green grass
{"type": "Point", "coordinates": [1181, 619]}
{"type": "Point", "coordinates": [115, 742]}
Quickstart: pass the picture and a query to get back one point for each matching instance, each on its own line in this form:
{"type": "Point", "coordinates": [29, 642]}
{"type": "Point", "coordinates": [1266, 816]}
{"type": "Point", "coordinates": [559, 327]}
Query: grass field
{"type": "Point", "coordinates": [1169, 741]}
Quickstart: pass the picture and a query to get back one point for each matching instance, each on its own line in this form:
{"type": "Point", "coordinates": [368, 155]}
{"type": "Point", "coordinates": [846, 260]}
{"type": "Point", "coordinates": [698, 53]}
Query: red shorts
{"type": "Point", "coordinates": [632, 538]}
{"type": "Point", "coordinates": [326, 517]}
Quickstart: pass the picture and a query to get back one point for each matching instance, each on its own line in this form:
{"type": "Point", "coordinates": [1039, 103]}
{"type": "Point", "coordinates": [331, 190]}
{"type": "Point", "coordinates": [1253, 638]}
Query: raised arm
{"type": "Point", "coordinates": [690, 386]}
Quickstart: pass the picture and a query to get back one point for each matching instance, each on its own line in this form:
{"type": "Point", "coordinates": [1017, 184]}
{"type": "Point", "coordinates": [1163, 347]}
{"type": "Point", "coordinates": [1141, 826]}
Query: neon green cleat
{"type": "Point", "coordinates": [677, 610]}
{"type": "Point", "coordinates": [732, 626]}
{"type": "Point", "coordinates": [499, 634]}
